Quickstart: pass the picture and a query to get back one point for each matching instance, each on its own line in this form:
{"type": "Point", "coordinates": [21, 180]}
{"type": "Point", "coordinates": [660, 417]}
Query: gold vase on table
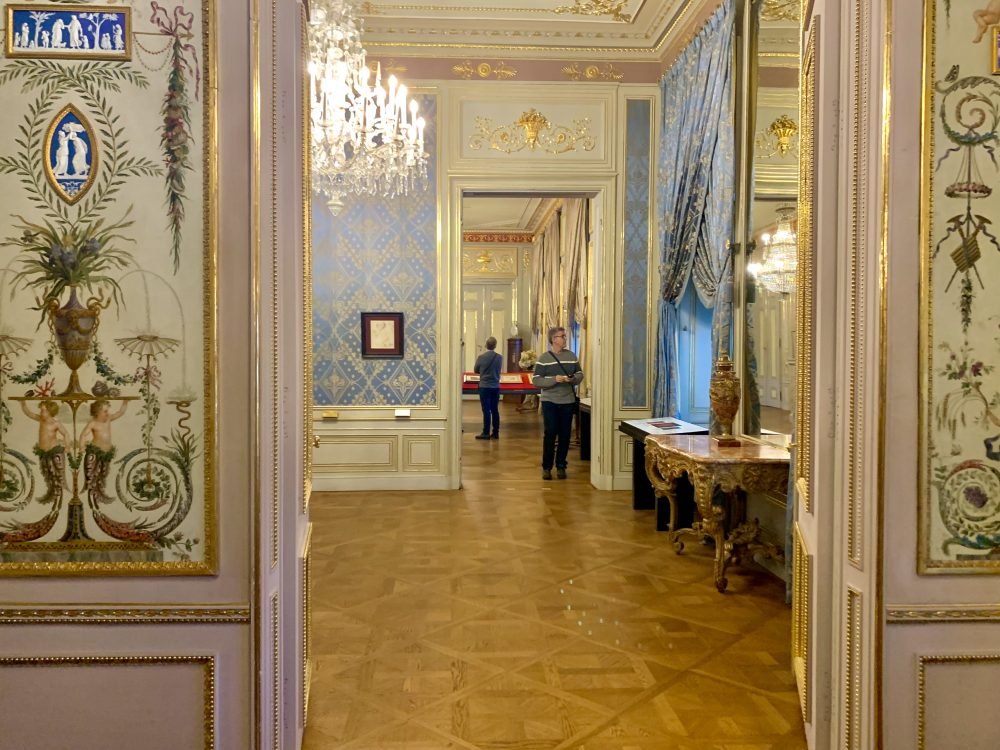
{"type": "Point", "coordinates": [724, 395]}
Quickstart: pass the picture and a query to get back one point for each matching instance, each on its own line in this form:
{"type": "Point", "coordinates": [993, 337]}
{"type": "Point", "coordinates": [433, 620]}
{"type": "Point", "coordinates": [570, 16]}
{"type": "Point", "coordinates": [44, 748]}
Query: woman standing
{"type": "Point", "coordinates": [557, 373]}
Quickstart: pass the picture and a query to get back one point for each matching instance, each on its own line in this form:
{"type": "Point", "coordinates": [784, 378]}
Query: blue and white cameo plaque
{"type": "Point", "coordinates": [81, 32]}
{"type": "Point", "coordinates": [70, 154]}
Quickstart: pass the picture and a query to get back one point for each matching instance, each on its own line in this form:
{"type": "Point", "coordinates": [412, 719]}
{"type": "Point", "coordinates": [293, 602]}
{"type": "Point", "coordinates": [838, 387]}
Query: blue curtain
{"type": "Point", "coordinates": [695, 190]}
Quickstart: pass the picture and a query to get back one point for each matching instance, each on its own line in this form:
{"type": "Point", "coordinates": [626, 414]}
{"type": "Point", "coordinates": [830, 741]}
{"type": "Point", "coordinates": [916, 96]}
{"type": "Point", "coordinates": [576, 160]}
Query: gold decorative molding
{"type": "Point", "coordinates": [503, 238]}
{"type": "Point", "coordinates": [532, 130]}
{"type": "Point", "coordinates": [859, 324]}
{"type": "Point", "coordinates": [781, 10]}
{"type": "Point", "coordinates": [801, 618]}
{"type": "Point", "coordinates": [853, 669]}
{"type": "Point", "coordinates": [275, 673]}
{"type": "Point", "coordinates": [804, 282]}
{"type": "Point", "coordinates": [915, 614]}
{"type": "Point", "coordinates": [305, 133]}
{"type": "Point", "coordinates": [501, 262]}
{"type": "Point", "coordinates": [306, 623]}
{"type": "Point", "coordinates": [501, 71]}
{"type": "Point", "coordinates": [923, 661]}
{"type": "Point", "coordinates": [592, 73]}
{"type": "Point", "coordinates": [613, 8]}
{"type": "Point", "coordinates": [73, 615]}
{"type": "Point", "coordinates": [207, 663]}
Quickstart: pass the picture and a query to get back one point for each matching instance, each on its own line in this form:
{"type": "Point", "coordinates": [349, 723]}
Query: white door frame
{"type": "Point", "coordinates": [601, 326]}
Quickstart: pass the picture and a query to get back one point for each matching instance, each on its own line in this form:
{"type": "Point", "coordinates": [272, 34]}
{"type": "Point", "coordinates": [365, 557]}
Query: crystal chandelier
{"type": "Point", "coordinates": [366, 137]}
{"type": "Point", "coordinates": [777, 273]}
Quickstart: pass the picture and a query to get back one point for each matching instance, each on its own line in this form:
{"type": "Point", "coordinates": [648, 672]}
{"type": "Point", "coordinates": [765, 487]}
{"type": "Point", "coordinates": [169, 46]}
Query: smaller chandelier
{"type": "Point", "coordinates": [777, 272]}
{"type": "Point", "coordinates": [366, 138]}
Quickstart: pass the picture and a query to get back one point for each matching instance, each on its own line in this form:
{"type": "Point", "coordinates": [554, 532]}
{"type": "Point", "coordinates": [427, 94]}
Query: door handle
{"type": "Point", "coordinates": [315, 441]}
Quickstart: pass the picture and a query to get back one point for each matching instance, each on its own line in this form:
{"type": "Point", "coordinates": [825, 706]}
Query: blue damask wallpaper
{"type": "Point", "coordinates": [635, 270]}
{"type": "Point", "coordinates": [377, 255]}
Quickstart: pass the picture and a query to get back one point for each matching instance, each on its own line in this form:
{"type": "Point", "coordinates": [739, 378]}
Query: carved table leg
{"type": "Point", "coordinates": [670, 493]}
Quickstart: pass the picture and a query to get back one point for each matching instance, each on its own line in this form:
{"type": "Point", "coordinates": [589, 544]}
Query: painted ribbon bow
{"type": "Point", "coordinates": [180, 27]}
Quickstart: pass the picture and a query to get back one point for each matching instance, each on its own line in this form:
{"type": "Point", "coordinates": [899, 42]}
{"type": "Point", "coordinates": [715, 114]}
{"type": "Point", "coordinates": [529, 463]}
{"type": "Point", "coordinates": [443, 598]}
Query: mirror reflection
{"type": "Point", "coordinates": [769, 224]}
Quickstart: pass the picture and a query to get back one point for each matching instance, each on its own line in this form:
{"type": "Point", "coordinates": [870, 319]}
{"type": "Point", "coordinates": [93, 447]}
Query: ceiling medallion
{"type": "Point", "coordinates": [780, 10]}
{"type": "Point", "coordinates": [613, 8]}
{"type": "Point", "coordinates": [501, 71]}
{"type": "Point", "coordinates": [533, 130]}
{"type": "Point", "coordinates": [592, 73]}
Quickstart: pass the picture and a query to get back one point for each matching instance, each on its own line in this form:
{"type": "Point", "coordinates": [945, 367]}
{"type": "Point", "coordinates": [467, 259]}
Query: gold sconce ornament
{"type": "Point", "coordinates": [724, 396]}
{"type": "Point", "coordinates": [779, 138]}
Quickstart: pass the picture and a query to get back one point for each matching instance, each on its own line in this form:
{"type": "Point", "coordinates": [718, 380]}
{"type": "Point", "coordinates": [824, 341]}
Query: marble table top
{"type": "Point", "coordinates": [702, 449]}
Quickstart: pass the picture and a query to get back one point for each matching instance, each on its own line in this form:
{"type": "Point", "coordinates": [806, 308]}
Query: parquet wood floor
{"type": "Point", "coordinates": [521, 614]}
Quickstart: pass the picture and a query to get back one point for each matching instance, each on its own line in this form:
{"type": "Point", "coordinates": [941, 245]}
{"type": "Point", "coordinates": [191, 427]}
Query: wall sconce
{"type": "Point", "coordinates": [779, 139]}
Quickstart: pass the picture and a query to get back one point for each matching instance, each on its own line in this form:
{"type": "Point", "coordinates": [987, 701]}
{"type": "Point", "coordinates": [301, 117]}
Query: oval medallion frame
{"type": "Point", "coordinates": [62, 170]}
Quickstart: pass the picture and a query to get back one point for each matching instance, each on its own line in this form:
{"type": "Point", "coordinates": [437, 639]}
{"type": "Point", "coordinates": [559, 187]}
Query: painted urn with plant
{"type": "Point", "coordinates": [60, 263]}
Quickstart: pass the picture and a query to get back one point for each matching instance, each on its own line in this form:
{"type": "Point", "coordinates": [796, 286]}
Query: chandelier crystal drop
{"type": "Point", "coordinates": [777, 273]}
{"type": "Point", "coordinates": [367, 138]}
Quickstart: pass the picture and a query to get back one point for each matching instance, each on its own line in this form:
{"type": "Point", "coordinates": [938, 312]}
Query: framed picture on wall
{"type": "Point", "coordinates": [382, 335]}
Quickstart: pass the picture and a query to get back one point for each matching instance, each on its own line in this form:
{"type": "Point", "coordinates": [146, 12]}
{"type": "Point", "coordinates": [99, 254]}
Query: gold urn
{"type": "Point", "coordinates": [724, 395]}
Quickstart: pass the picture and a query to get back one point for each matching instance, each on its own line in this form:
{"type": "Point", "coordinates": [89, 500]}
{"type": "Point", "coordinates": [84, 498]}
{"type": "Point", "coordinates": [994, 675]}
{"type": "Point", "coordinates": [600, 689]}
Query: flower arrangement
{"type": "Point", "coordinates": [74, 255]}
{"type": "Point", "coordinates": [528, 359]}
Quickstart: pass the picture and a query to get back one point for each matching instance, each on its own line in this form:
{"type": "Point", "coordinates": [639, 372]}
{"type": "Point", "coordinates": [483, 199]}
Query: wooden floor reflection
{"type": "Point", "coordinates": [521, 614]}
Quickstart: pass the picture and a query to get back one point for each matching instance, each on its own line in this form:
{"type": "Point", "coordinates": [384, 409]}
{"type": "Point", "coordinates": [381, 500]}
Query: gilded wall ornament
{"type": "Point", "coordinates": [517, 238]}
{"type": "Point", "coordinates": [501, 71]}
{"type": "Point", "coordinates": [613, 8]}
{"type": "Point", "coordinates": [533, 130]}
{"type": "Point", "coordinates": [592, 73]}
{"type": "Point", "coordinates": [779, 139]}
{"type": "Point", "coordinates": [489, 262]}
{"type": "Point", "coordinates": [780, 10]}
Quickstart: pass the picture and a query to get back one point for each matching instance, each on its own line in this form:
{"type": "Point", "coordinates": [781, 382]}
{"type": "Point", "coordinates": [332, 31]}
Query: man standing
{"type": "Point", "coordinates": [557, 373]}
{"type": "Point", "coordinates": [488, 366]}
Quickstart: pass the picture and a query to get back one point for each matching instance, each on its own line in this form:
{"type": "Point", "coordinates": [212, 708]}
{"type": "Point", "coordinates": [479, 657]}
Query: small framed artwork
{"type": "Point", "coordinates": [382, 335]}
{"type": "Point", "coordinates": [995, 51]}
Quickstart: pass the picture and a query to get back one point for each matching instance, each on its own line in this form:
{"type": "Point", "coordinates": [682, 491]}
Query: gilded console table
{"type": "Point", "coordinates": [751, 467]}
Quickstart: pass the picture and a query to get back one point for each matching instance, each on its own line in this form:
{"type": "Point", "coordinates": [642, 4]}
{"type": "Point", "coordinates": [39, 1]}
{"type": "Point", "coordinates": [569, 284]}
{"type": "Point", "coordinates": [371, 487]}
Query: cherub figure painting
{"type": "Point", "coordinates": [986, 17]}
{"type": "Point", "coordinates": [98, 448]}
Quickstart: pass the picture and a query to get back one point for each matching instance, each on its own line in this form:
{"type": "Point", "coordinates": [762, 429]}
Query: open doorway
{"type": "Point", "coordinates": [527, 266]}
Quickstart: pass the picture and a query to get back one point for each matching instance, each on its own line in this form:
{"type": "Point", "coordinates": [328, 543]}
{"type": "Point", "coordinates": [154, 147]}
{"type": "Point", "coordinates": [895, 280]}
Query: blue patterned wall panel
{"type": "Point", "coordinates": [635, 272]}
{"type": "Point", "coordinates": [377, 255]}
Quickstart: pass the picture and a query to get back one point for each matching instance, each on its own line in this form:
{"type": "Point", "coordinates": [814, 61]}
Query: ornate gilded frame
{"type": "Point", "coordinates": [204, 224]}
{"type": "Point", "coordinates": [805, 282]}
{"type": "Point", "coordinates": [958, 485]}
